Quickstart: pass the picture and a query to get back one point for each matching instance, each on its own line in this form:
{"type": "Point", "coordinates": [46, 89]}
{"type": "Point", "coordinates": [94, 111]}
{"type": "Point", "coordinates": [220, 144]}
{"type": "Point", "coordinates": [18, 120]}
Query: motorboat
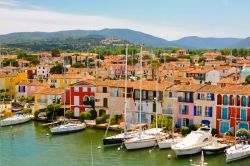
{"type": "Point", "coordinates": [215, 147]}
{"type": "Point", "coordinates": [19, 118]}
{"type": "Point", "coordinates": [68, 128]}
{"type": "Point", "coordinates": [193, 142]}
{"type": "Point", "coordinates": [168, 142]}
{"type": "Point", "coordinates": [237, 152]}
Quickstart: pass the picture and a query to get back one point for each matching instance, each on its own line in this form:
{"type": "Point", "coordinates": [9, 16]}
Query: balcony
{"type": "Point", "coordinates": [185, 99]}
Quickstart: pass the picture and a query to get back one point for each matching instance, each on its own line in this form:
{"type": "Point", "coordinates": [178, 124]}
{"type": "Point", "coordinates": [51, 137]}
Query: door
{"type": "Point", "coordinates": [76, 112]}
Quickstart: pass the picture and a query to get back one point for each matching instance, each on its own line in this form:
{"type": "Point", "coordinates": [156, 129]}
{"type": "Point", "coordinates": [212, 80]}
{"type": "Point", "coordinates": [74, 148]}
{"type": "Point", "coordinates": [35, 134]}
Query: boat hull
{"type": "Point", "coordinates": [140, 144]}
{"type": "Point", "coordinates": [166, 144]}
{"type": "Point", "coordinates": [14, 122]}
{"type": "Point", "coordinates": [214, 151]}
{"type": "Point", "coordinates": [241, 153]}
{"type": "Point", "coordinates": [112, 141]}
{"type": "Point", "coordinates": [58, 130]}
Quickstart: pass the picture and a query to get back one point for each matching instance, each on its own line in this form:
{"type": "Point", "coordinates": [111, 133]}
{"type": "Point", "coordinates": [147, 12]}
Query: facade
{"type": "Point", "coordinates": [82, 97]}
{"type": "Point", "coordinates": [47, 96]}
{"type": "Point", "coordinates": [203, 76]}
{"type": "Point", "coordinates": [43, 71]}
{"type": "Point", "coordinates": [233, 103]}
{"type": "Point", "coordinates": [205, 106]}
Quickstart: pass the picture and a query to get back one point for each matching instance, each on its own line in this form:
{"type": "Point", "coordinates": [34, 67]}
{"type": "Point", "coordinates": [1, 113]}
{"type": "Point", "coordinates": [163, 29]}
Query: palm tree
{"type": "Point", "coordinates": [154, 64]}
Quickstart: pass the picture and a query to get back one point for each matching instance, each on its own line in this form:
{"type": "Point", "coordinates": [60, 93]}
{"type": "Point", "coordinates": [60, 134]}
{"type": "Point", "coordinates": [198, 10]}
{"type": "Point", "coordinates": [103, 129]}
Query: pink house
{"type": "Point", "coordinates": [29, 87]}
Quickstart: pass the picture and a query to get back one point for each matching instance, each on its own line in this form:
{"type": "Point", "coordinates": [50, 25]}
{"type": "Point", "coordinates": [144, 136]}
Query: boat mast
{"type": "Point", "coordinates": [125, 97]}
{"type": "Point", "coordinates": [140, 90]}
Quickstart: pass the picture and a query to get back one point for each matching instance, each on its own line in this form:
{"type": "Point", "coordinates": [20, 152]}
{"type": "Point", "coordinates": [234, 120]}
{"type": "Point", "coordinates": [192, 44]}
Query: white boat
{"type": "Point", "coordinates": [215, 147]}
{"type": "Point", "coordinates": [238, 151]}
{"type": "Point", "coordinates": [14, 120]}
{"type": "Point", "coordinates": [145, 139]}
{"type": "Point", "coordinates": [140, 142]}
{"type": "Point", "coordinates": [68, 128]}
{"type": "Point", "coordinates": [167, 143]}
{"type": "Point", "coordinates": [202, 161]}
{"type": "Point", "coordinates": [193, 142]}
{"type": "Point", "coordinates": [119, 138]}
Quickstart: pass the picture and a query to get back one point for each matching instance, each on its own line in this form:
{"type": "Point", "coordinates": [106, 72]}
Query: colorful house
{"type": "Point", "coordinates": [47, 96]}
{"type": "Point", "coordinates": [185, 102]}
{"type": "Point", "coordinates": [233, 103]}
{"type": "Point", "coordinates": [205, 105]}
{"type": "Point", "coordinates": [82, 97]}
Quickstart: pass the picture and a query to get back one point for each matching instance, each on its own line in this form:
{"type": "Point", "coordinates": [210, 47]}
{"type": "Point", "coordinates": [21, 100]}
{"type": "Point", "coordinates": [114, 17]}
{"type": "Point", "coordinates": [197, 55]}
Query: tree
{"type": "Point", "coordinates": [8, 62]}
{"type": "Point", "coordinates": [85, 116]}
{"type": "Point", "coordinates": [55, 52]}
{"type": "Point", "coordinates": [248, 79]}
{"type": "Point", "coordinates": [154, 65]}
{"type": "Point", "coordinates": [52, 111]}
{"type": "Point", "coordinates": [69, 114]}
{"type": "Point", "coordinates": [58, 69]}
{"type": "Point", "coordinates": [162, 122]}
{"type": "Point", "coordinates": [78, 65]}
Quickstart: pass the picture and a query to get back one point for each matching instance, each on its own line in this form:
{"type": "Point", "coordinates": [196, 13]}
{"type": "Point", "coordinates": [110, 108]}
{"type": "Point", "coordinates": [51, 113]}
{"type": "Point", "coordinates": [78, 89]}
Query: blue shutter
{"type": "Point", "coordinates": [24, 89]}
{"type": "Point", "coordinates": [180, 112]}
{"type": "Point", "coordinates": [19, 89]}
{"type": "Point", "coordinates": [195, 110]}
{"type": "Point", "coordinates": [187, 110]}
{"type": "Point", "coordinates": [179, 122]}
{"type": "Point", "coordinates": [199, 96]}
{"type": "Point", "coordinates": [190, 121]}
{"type": "Point", "coordinates": [212, 96]}
{"type": "Point", "coordinates": [210, 111]}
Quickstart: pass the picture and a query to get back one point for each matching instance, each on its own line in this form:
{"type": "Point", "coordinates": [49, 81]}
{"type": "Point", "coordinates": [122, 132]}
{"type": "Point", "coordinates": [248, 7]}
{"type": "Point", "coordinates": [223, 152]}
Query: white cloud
{"type": "Point", "coordinates": [29, 19]}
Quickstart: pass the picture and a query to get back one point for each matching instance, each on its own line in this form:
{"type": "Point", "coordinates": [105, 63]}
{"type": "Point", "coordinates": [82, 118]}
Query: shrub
{"type": "Point", "coordinates": [93, 114]}
{"type": "Point", "coordinates": [242, 132]}
{"type": "Point", "coordinates": [27, 110]}
{"type": "Point", "coordinates": [185, 130]}
{"type": "Point", "coordinates": [101, 119]}
{"type": "Point", "coordinates": [228, 133]}
{"type": "Point", "coordinates": [85, 116]}
{"type": "Point", "coordinates": [213, 132]}
{"type": "Point", "coordinates": [102, 112]}
{"type": "Point", "coordinates": [36, 114]}
{"type": "Point", "coordinates": [192, 128]}
{"type": "Point", "coordinates": [115, 119]}
{"type": "Point", "coordinates": [69, 114]}
{"type": "Point", "coordinates": [30, 99]}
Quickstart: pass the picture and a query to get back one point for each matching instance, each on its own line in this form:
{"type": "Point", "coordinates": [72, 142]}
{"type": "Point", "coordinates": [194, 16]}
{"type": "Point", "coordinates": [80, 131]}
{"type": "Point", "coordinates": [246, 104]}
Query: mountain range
{"type": "Point", "coordinates": [136, 37]}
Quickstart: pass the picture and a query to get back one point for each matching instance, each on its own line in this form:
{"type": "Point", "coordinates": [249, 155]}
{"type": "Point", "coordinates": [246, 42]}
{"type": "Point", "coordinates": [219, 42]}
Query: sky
{"type": "Point", "coordinates": [168, 19]}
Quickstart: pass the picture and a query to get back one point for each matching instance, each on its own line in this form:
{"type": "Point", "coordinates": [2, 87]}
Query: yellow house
{"type": "Point", "coordinates": [9, 81]}
{"type": "Point", "coordinates": [57, 80]}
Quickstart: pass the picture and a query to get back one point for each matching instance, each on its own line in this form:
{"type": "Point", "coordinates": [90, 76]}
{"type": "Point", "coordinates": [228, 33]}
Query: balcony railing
{"type": "Point", "coordinates": [183, 99]}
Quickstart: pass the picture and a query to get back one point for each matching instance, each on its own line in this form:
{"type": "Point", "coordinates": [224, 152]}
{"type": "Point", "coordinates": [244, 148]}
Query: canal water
{"type": "Point", "coordinates": [28, 145]}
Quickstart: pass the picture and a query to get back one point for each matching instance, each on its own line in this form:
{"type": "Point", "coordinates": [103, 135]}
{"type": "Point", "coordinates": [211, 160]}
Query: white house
{"type": "Point", "coordinates": [43, 71]}
{"type": "Point", "coordinates": [203, 76]}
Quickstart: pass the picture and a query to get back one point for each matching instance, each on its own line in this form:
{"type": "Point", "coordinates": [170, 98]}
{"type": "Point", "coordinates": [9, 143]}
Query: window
{"type": "Point", "coordinates": [105, 102]}
{"type": "Point", "coordinates": [76, 100]}
{"type": "Point", "coordinates": [170, 94]}
{"type": "Point", "coordinates": [224, 127]}
{"type": "Point", "coordinates": [76, 89]}
{"type": "Point", "coordinates": [225, 100]}
{"type": "Point", "coordinates": [244, 101]}
{"type": "Point", "coordinates": [184, 109]}
{"type": "Point", "coordinates": [104, 89]}
{"type": "Point", "coordinates": [199, 111]}
{"type": "Point", "coordinates": [92, 98]}
{"type": "Point", "coordinates": [243, 114]}
{"type": "Point", "coordinates": [243, 126]}
{"type": "Point", "coordinates": [85, 89]}
{"type": "Point", "coordinates": [224, 114]}
{"type": "Point", "coordinates": [208, 111]}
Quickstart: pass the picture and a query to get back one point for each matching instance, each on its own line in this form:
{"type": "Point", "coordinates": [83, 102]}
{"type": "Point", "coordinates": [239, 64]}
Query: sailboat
{"type": "Point", "coordinates": [147, 138]}
{"type": "Point", "coordinates": [168, 142]}
{"type": "Point", "coordinates": [119, 138]}
{"type": "Point", "coordinates": [67, 127]}
{"type": "Point", "coordinates": [19, 118]}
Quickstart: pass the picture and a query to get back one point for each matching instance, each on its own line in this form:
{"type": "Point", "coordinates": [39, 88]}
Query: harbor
{"type": "Point", "coordinates": [29, 144]}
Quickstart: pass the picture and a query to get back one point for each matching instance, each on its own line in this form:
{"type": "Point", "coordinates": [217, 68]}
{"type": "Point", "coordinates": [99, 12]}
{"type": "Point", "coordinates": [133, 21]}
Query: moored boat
{"type": "Point", "coordinates": [237, 152]}
{"type": "Point", "coordinates": [193, 142]}
{"type": "Point", "coordinates": [19, 118]}
{"type": "Point", "coordinates": [215, 147]}
{"type": "Point", "coordinates": [167, 143]}
{"type": "Point", "coordinates": [67, 128]}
